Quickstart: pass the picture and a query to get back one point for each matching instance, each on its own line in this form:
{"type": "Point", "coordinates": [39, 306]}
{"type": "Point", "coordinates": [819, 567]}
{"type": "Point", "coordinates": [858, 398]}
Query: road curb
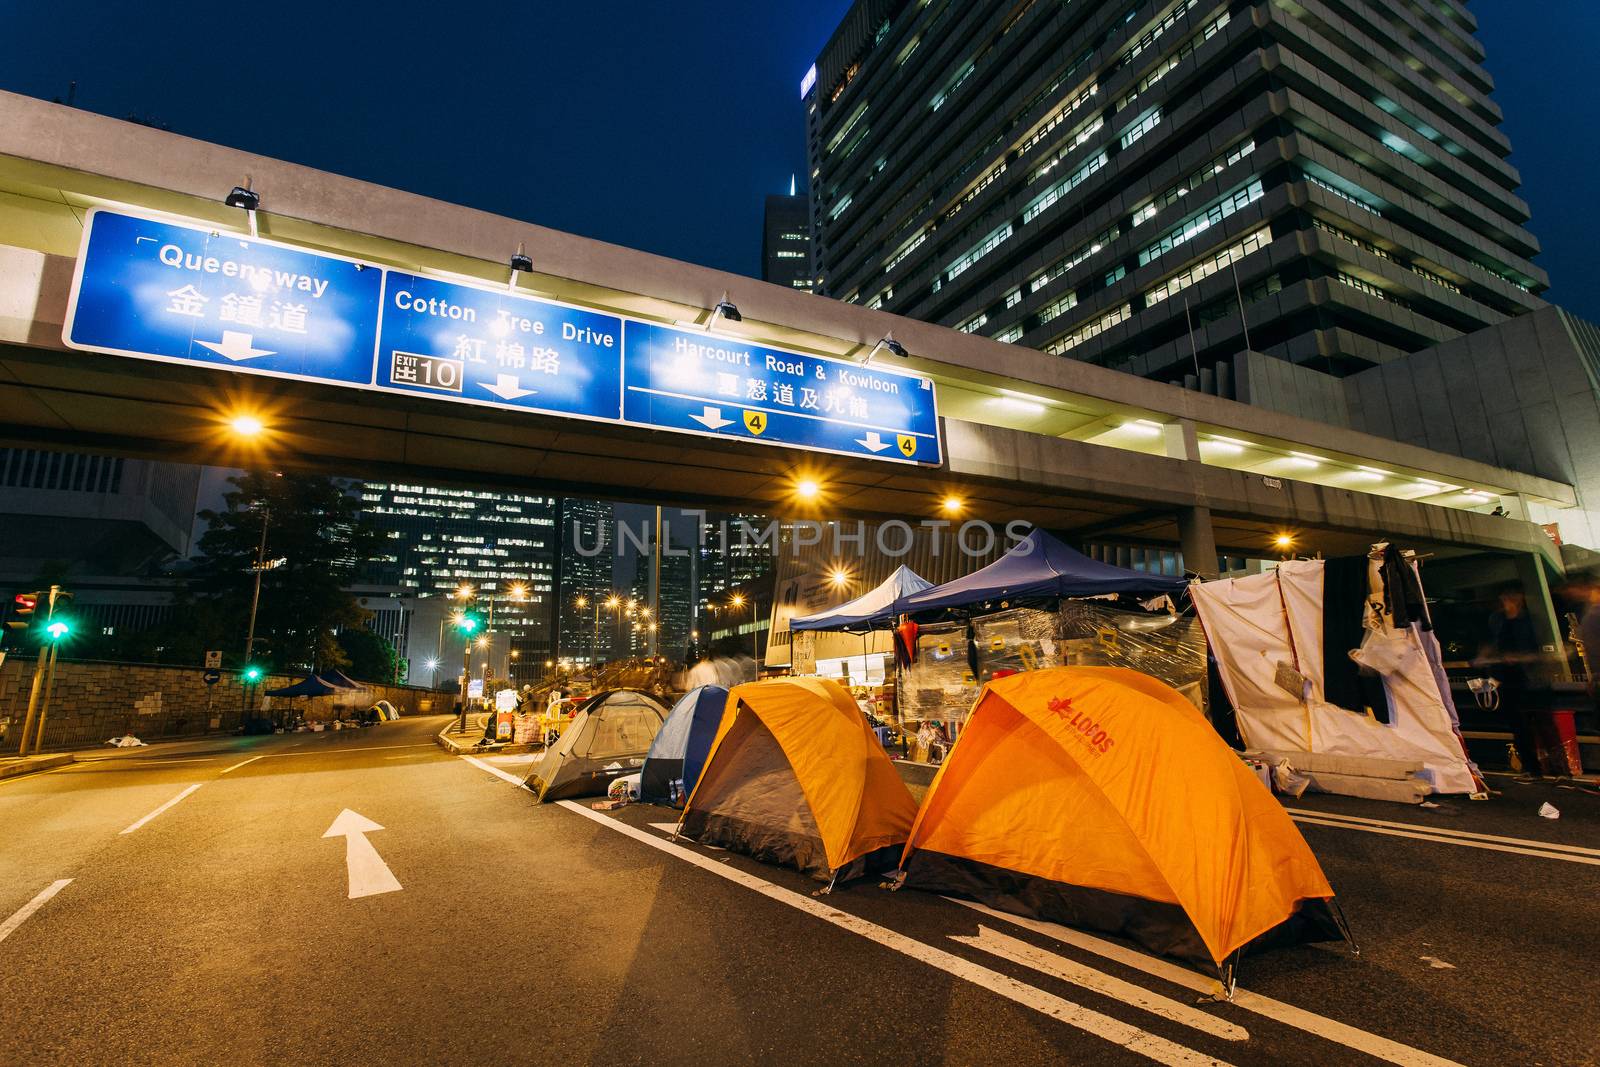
{"type": "Point", "coordinates": [464, 747]}
{"type": "Point", "coordinates": [35, 764]}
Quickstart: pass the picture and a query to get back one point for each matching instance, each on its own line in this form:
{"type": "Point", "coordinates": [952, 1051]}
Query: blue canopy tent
{"type": "Point", "coordinates": [870, 610]}
{"type": "Point", "coordinates": [338, 679]}
{"type": "Point", "coordinates": [679, 751]}
{"type": "Point", "coordinates": [1039, 567]}
{"type": "Point", "coordinates": [309, 686]}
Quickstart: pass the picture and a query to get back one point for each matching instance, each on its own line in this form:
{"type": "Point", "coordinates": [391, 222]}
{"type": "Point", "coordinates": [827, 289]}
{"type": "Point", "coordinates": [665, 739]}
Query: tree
{"type": "Point", "coordinates": [371, 658]}
{"type": "Point", "coordinates": [315, 527]}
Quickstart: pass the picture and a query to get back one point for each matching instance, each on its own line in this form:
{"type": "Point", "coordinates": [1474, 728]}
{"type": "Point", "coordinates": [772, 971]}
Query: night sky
{"type": "Point", "coordinates": [655, 125]}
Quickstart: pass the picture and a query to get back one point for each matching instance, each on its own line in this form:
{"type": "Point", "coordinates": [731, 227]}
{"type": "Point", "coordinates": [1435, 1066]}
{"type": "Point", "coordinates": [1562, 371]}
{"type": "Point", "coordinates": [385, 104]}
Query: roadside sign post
{"type": "Point", "coordinates": [36, 707]}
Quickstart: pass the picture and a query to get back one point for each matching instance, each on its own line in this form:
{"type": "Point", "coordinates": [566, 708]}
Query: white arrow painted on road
{"type": "Point", "coordinates": [369, 875]}
{"type": "Point", "coordinates": [712, 418]}
{"type": "Point", "coordinates": [872, 442]}
{"type": "Point", "coordinates": [236, 346]}
{"type": "Point", "coordinates": [507, 387]}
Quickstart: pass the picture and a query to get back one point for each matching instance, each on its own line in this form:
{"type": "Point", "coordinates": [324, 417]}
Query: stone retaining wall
{"type": "Point", "coordinates": [94, 701]}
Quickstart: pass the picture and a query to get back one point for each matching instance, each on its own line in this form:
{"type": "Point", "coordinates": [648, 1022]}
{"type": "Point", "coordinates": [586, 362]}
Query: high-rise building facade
{"type": "Point", "coordinates": [500, 544]}
{"type": "Point", "coordinates": [585, 579]}
{"type": "Point", "coordinates": [1160, 185]}
{"type": "Point", "coordinates": [786, 242]}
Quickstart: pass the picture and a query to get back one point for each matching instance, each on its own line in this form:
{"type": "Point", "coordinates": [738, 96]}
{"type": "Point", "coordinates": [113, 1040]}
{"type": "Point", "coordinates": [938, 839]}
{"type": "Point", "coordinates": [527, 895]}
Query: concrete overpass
{"type": "Point", "coordinates": [1027, 435]}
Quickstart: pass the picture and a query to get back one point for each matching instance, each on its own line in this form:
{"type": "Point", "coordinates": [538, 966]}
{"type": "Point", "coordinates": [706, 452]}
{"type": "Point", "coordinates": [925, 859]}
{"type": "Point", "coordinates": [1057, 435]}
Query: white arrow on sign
{"type": "Point", "coordinates": [872, 442]}
{"type": "Point", "coordinates": [712, 418]}
{"type": "Point", "coordinates": [369, 875]}
{"type": "Point", "coordinates": [507, 387]}
{"type": "Point", "coordinates": [236, 346]}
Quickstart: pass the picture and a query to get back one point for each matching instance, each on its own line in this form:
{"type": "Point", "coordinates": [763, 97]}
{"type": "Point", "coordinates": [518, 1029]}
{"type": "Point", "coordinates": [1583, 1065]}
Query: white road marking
{"type": "Point", "coordinates": [1092, 1022]}
{"type": "Point", "coordinates": [161, 809]}
{"type": "Point", "coordinates": [1277, 1010]}
{"type": "Point", "coordinates": [1438, 839]}
{"type": "Point", "coordinates": [252, 759]}
{"type": "Point", "coordinates": [369, 875]}
{"type": "Point", "coordinates": [1442, 831]}
{"type": "Point", "coordinates": [496, 771]}
{"type": "Point", "coordinates": [22, 913]}
{"type": "Point", "coordinates": [668, 828]}
{"type": "Point", "coordinates": [1010, 948]}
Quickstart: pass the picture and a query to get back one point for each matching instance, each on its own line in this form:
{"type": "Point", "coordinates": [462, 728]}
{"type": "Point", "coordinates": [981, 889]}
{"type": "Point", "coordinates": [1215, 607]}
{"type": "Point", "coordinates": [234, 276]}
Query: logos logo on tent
{"type": "Point", "coordinates": [1082, 725]}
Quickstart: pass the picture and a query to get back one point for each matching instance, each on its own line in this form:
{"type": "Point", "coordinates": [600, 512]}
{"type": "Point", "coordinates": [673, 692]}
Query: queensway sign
{"type": "Point", "coordinates": [171, 291]}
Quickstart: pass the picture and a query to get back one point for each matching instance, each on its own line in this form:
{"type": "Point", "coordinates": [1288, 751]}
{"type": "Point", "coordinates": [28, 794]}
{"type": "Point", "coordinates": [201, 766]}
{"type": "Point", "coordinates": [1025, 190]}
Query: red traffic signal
{"type": "Point", "coordinates": [22, 607]}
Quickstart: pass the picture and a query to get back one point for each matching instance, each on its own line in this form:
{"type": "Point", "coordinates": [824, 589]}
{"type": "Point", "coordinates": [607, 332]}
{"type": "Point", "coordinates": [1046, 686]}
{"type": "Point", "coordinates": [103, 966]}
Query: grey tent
{"type": "Point", "coordinates": [609, 737]}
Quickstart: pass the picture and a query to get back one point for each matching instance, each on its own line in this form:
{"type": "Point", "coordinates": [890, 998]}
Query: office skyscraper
{"type": "Point", "coordinates": [588, 558]}
{"type": "Point", "coordinates": [1115, 182]}
{"type": "Point", "coordinates": [440, 538]}
{"type": "Point", "coordinates": [786, 241]}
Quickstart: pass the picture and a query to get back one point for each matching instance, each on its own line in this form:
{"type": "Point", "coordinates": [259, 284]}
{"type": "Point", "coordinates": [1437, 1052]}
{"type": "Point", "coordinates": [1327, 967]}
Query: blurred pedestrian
{"type": "Point", "coordinates": [1509, 654]}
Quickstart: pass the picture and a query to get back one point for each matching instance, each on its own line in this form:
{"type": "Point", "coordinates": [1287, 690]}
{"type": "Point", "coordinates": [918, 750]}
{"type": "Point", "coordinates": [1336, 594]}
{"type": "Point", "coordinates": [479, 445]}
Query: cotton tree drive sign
{"type": "Point", "coordinates": [183, 293]}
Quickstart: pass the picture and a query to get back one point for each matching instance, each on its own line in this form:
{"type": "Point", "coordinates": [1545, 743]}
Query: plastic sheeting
{"type": "Point", "coordinates": [1265, 622]}
{"type": "Point", "coordinates": [1168, 647]}
{"type": "Point", "coordinates": [938, 686]}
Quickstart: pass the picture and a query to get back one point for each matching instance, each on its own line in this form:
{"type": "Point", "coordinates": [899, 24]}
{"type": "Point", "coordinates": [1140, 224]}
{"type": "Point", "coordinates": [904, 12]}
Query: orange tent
{"type": "Point", "coordinates": [1100, 797]}
{"type": "Point", "coordinates": [796, 776]}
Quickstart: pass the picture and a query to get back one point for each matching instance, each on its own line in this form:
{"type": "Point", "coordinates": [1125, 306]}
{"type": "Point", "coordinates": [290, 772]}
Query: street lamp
{"type": "Point", "coordinates": [807, 490]}
{"type": "Point", "coordinates": [952, 505]}
{"type": "Point", "coordinates": [245, 425]}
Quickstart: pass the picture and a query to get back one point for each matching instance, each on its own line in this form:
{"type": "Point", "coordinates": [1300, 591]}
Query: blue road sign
{"type": "Point", "coordinates": [186, 294]}
{"type": "Point", "coordinates": [494, 346]}
{"type": "Point", "coordinates": [696, 382]}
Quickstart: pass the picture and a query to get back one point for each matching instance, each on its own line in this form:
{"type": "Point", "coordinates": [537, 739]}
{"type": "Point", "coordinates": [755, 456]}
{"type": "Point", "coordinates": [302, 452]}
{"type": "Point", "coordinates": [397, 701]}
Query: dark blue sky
{"type": "Point", "coordinates": [651, 124]}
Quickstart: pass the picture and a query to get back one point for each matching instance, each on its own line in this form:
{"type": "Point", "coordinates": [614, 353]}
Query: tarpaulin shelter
{"type": "Point", "coordinates": [608, 738]}
{"type": "Point", "coordinates": [309, 686]}
{"type": "Point", "coordinates": [340, 680]}
{"type": "Point", "coordinates": [870, 610]}
{"type": "Point", "coordinates": [679, 751]}
{"type": "Point", "coordinates": [1099, 797]}
{"type": "Point", "coordinates": [1272, 640]}
{"type": "Point", "coordinates": [797, 777]}
{"type": "Point", "coordinates": [1039, 567]}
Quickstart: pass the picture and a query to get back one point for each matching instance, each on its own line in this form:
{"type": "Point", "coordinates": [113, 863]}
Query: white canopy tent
{"type": "Point", "coordinates": [1257, 624]}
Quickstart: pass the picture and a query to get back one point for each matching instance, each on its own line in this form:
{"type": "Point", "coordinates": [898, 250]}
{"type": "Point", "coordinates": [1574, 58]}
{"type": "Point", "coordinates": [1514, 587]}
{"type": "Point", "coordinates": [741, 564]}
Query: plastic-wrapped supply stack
{"type": "Point", "coordinates": [938, 685]}
{"type": "Point", "coordinates": [1022, 639]}
{"type": "Point", "coordinates": [1165, 646]}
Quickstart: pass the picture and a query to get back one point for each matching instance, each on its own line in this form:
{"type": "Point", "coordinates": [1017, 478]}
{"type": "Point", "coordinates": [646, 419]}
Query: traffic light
{"type": "Point", "coordinates": [58, 629]}
{"type": "Point", "coordinates": [468, 622]}
{"type": "Point", "coordinates": [23, 606]}
{"type": "Point", "coordinates": [252, 673]}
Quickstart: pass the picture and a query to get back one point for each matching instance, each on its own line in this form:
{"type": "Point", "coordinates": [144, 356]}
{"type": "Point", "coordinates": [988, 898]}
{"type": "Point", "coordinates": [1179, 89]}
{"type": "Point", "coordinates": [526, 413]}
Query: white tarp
{"type": "Point", "coordinates": [1258, 623]}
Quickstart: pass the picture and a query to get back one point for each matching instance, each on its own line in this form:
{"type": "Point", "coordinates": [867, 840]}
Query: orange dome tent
{"type": "Point", "coordinates": [1099, 797]}
{"type": "Point", "coordinates": [796, 776]}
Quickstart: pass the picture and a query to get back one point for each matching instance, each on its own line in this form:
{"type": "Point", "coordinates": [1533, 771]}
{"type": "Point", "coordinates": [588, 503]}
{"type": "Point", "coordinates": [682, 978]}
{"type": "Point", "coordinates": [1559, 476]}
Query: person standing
{"type": "Point", "coordinates": [1510, 651]}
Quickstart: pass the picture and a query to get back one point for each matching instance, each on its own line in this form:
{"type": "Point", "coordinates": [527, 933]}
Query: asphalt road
{"type": "Point", "coordinates": [222, 930]}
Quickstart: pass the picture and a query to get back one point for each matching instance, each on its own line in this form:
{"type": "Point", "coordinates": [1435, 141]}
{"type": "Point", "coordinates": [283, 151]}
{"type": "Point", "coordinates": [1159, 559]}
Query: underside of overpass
{"type": "Point", "coordinates": [1093, 453]}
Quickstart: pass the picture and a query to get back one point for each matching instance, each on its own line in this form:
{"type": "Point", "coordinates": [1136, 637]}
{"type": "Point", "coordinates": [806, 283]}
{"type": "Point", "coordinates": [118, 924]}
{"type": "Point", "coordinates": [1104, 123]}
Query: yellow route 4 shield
{"type": "Point", "coordinates": [755, 421]}
{"type": "Point", "coordinates": [907, 443]}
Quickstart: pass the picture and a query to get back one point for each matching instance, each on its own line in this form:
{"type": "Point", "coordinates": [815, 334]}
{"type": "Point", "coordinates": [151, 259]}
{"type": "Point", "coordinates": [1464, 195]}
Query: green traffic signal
{"type": "Point", "coordinates": [58, 629]}
{"type": "Point", "coordinates": [467, 623]}
{"type": "Point", "coordinates": [252, 673]}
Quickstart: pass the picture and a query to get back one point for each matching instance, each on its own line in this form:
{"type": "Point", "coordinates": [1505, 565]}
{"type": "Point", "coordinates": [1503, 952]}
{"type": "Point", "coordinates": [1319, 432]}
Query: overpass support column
{"type": "Point", "coordinates": [1198, 540]}
{"type": "Point", "coordinates": [1541, 605]}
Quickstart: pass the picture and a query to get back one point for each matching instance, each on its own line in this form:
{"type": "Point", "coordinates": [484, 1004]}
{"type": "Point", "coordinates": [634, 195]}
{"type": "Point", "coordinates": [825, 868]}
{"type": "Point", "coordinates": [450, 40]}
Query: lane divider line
{"type": "Point", "coordinates": [1089, 1021]}
{"type": "Point", "coordinates": [1276, 1010]}
{"type": "Point", "coordinates": [1020, 952]}
{"type": "Point", "coordinates": [1593, 861]}
{"type": "Point", "coordinates": [161, 809]}
{"type": "Point", "coordinates": [1359, 821]}
{"type": "Point", "coordinates": [492, 769]}
{"type": "Point", "coordinates": [252, 759]}
{"type": "Point", "coordinates": [20, 916]}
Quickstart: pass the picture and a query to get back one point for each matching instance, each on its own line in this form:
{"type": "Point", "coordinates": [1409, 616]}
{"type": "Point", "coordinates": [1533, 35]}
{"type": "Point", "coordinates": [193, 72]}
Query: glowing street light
{"type": "Point", "coordinates": [838, 577]}
{"type": "Point", "coordinates": [952, 505]}
{"type": "Point", "coordinates": [518, 591]}
{"type": "Point", "coordinates": [244, 425]}
{"type": "Point", "coordinates": [464, 591]}
{"type": "Point", "coordinates": [806, 489]}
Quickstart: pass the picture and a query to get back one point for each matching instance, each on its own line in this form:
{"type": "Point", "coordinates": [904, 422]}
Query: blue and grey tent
{"type": "Point", "coordinates": [680, 749]}
{"type": "Point", "coordinates": [871, 610]}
